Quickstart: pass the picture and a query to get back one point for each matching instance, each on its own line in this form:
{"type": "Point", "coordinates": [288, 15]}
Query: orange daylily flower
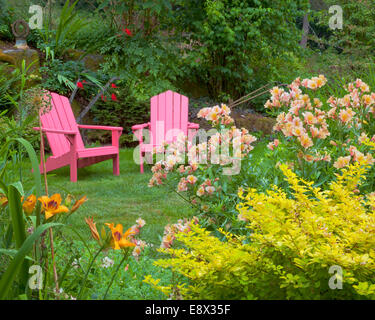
{"type": "Point", "coordinates": [120, 240]}
{"type": "Point", "coordinates": [52, 206]}
{"type": "Point", "coordinates": [29, 204]}
{"type": "Point", "coordinates": [92, 225]}
{"type": "Point", "coordinates": [3, 200]}
{"type": "Point", "coordinates": [78, 203]}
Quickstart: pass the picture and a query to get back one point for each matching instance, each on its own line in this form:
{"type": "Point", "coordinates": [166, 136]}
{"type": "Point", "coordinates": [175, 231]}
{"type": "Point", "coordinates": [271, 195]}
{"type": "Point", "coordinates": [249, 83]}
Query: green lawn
{"type": "Point", "coordinates": [119, 199]}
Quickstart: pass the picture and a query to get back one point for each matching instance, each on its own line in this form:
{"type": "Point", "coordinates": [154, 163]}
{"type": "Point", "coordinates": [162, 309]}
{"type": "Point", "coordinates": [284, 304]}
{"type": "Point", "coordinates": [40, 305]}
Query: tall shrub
{"type": "Point", "coordinates": [233, 46]}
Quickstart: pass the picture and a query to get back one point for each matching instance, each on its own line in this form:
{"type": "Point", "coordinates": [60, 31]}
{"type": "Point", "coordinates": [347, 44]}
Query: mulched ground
{"type": "Point", "coordinates": [248, 119]}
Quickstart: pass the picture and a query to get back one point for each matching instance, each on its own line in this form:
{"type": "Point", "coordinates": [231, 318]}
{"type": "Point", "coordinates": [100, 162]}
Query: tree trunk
{"type": "Point", "coordinates": [305, 29]}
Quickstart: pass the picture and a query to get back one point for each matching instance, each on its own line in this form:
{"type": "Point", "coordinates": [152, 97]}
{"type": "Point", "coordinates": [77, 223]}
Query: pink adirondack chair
{"type": "Point", "coordinates": [66, 144]}
{"type": "Point", "coordinates": [169, 117]}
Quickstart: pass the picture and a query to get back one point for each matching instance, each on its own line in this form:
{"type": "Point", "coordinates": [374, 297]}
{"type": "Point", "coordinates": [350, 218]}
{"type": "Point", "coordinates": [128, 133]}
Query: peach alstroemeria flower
{"type": "Point", "coordinates": [213, 116]}
{"type": "Point", "coordinates": [140, 222]}
{"type": "Point", "coordinates": [120, 240]}
{"type": "Point", "coordinates": [78, 203]}
{"type": "Point", "coordinates": [305, 141]}
{"type": "Point", "coordinates": [182, 185]}
{"type": "Point", "coordinates": [342, 162]}
{"type": "Point", "coordinates": [225, 110]}
{"type": "Point", "coordinates": [363, 137]}
{"type": "Point", "coordinates": [309, 118]}
{"type": "Point", "coordinates": [191, 179]}
{"type": "Point", "coordinates": [210, 189]}
{"type": "Point", "coordinates": [52, 206]}
{"type": "Point", "coordinates": [346, 115]}
{"type": "Point", "coordinates": [29, 204]}
{"type": "Point", "coordinates": [200, 191]}
{"type": "Point", "coordinates": [137, 251]}
{"type": "Point", "coordinates": [92, 225]}
{"type": "Point", "coordinates": [270, 146]}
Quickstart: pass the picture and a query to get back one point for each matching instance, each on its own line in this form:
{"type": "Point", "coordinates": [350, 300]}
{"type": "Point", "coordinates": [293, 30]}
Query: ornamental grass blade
{"type": "Point", "coordinates": [11, 272]}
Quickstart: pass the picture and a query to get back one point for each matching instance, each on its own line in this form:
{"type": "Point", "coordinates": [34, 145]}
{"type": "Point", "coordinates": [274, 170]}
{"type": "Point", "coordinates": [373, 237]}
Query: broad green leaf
{"type": "Point", "coordinates": [19, 233]}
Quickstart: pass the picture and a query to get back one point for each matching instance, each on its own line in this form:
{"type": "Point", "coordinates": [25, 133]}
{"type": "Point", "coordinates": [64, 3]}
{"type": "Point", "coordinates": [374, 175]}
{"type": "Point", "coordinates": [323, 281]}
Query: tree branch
{"type": "Point", "coordinates": [95, 99]}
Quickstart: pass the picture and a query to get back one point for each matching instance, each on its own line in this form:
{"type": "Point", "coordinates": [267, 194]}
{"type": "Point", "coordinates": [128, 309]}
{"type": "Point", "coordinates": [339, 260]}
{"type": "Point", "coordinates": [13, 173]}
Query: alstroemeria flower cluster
{"type": "Point", "coordinates": [315, 82]}
{"type": "Point", "coordinates": [315, 157]}
{"type": "Point", "coordinates": [216, 115]}
{"type": "Point", "coordinates": [207, 188]}
{"type": "Point", "coordinates": [307, 121]}
{"type": "Point", "coordinates": [358, 103]}
{"type": "Point", "coordinates": [183, 226]}
{"type": "Point", "coordinates": [198, 167]}
{"type": "Point", "coordinates": [355, 156]}
{"type": "Point", "coordinates": [274, 144]}
{"type": "Point", "coordinates": [222, 148]}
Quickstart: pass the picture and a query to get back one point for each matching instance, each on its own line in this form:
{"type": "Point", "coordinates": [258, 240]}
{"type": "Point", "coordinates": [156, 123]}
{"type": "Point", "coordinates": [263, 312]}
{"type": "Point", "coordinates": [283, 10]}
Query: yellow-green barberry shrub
{"type": "Point", "coordinates": [294, 241]}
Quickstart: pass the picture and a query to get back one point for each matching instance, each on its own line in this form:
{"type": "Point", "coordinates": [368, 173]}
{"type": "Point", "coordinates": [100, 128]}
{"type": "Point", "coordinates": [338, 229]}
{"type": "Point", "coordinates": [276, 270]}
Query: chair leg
{"type": "Point", "coordinates": [116, 165]}
{"type": "Point", "coordinates": [73, 171]}
{"type": "Point", "coordinates": [141, 161]}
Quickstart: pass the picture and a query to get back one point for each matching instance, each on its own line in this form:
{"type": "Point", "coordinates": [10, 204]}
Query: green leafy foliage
{"type": "Point", "coordinates": [235, 46]}
{"type": "Point", "coordinates": [6, 86]}
{"type": "Point", "coordinates": [58, 76]}
{"type": "Point", "coordinates": [358, 25]}
{"type": "Point", "coordinates": [129, 109]}
{"type": "Point", "coordinates": [147, 64]}
{"type": "Point", "coordinates": [5, 21]}
{"type": "Point", "coordinates": [61, 38]}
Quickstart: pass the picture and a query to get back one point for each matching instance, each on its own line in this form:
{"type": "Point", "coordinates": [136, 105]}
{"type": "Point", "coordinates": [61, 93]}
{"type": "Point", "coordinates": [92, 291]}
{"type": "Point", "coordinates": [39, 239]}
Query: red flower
{"type": "Point", "coordinates": [79, 85]}
{"type": "Point", "coordinates": [104, 98]}
{"type": "Point", "coordinates": [113, 97]}
{"type": "Point", "coordinates": [128, 32]}
{"type": "Point", "coordinates": [113, 85]}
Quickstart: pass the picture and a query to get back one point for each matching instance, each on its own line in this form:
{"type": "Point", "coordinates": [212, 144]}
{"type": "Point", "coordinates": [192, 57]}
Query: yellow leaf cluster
{"type": "Point", "coordinates": [295, 236]}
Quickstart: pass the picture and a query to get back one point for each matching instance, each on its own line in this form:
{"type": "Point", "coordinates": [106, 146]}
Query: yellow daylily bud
{"type": "Point", "coordinates": [78, 203]}
{"type": "Point", "coordinates": [103, 233]}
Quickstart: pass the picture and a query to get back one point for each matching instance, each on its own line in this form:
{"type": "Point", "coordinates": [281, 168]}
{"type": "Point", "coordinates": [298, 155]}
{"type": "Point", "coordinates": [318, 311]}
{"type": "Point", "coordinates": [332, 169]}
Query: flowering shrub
{"type": "Point", "coordinates": [318, 137]}
{"type": "Point", "coordinates": [201, 173]}
{"type": "Point", "coordinates": [294, 242]}
{"type": "Point", "coordinates": [170, 231]}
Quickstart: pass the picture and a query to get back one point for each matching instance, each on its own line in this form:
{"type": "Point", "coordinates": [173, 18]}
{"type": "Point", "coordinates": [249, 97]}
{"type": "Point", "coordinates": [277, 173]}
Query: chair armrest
{"type": "Point", "coordinates": [84, 126]}
{"type": "Point", "coordinates": [139, 134]}
{"type": "Point", "coordinates": [56, 131]}
{"type": "Point", "coordinates": [192, 125]}
{"type": "Point", "coordinates": [140, 126]}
